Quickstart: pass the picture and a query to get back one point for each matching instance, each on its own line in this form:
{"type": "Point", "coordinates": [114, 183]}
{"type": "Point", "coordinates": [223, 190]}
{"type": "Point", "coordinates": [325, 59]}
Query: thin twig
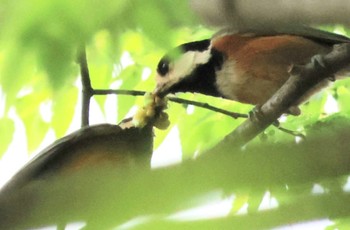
{"type": "Point", "coordinates": [189, 102]}
{"type": "Point", "coordinates": [173, 99]}
{"type": "Point", "coordinates": [291, 132]}
{"type": "Point", "coordinates": [207, 106]}
{"type": "Point", "coordinates": [118, 91]}
{"type": "Point", "coordinates": [87, 90]}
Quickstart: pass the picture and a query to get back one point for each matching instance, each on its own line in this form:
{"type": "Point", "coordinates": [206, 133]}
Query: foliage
{"type": "Point", "coordinates": [38, 44]}
{"type": "Point", "coordinates": [96, 196]}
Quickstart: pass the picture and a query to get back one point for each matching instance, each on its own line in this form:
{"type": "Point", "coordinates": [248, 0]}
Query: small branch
{"type": "Point", "coordinates": [207, 106]}
{"type": "Point", "coordinates": [118, 91]}
{"type": "Point", "coordinates": [187, 102]}
{"type": "Point", "coordinates": [291, 132]}
{"type": "Point", "coordinates": [87, 90]}
{"type": "Point", "coordinates": [303, 78]}
{"type": "Point", "coordinates": [173, 99]}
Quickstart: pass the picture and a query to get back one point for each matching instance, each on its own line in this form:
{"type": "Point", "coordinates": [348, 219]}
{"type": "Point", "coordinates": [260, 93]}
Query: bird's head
{"type": "Point", "coordinates": [191, 70]}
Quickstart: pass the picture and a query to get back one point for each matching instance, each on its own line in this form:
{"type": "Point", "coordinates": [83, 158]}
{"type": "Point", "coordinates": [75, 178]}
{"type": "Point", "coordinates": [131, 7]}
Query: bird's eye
{"type": "Point", "coordinates": [163, 67]}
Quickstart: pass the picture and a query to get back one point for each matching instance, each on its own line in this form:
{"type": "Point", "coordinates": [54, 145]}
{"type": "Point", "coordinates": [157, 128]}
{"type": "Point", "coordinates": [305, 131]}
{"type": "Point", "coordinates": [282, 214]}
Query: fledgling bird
{"type": "Point", "coordinates": [248, 67]}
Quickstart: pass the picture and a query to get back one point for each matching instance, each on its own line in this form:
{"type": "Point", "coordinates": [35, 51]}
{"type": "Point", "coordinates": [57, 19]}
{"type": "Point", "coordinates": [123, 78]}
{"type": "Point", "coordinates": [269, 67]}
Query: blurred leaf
{"type": "Point", "coordinates": [254, 200]}
{"type": "Point", "coordinates": [103, 50]}
{"type": "Point", "coordinates": [149, 14]}
{"type": "Point", "coordinates": [50, 31]}
{"type": "Point", "coordinates": [130, 77]}
{"type": "Point", "coordinates": [36, 130]}
{"type": "Point", "coordinates": [102, 54]}
{"type": "Point", "coordinates": [63, 108]}
{"type": "Point", "coordinates": [194, 132]}
{"type": "Point", "coordinates": [15, 74]}
{"type": "Point", "coordinates": [183, 187]}
{"type": "Point", "coordinates": [339, 224]}
{"type": "Point", "coordinates": [7, 128]}
{"type": "Point", "coordinates": [328, 126]}
{"type": "Point", "coordinates": [239, 202]}
{"type": "Point", "coordinates": [343, 95]}
{"type": "Point", "coordinates": [28, 108]}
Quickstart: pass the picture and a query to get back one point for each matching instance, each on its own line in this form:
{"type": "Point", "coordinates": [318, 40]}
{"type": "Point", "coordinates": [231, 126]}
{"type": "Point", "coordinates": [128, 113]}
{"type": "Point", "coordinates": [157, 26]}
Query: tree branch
{"type": "Point", "coordinates": [251, 13]}
{"type": "Point", "coordinates": [118, 92]}
{"type": "Point", "coordinates": [87, 90]}
{"type": "Point", "coordinates": [302, 79]}
{"type": "Point", "coordinates": [207, 106]}
{"type": "Point", "coordinates": [173, 99]}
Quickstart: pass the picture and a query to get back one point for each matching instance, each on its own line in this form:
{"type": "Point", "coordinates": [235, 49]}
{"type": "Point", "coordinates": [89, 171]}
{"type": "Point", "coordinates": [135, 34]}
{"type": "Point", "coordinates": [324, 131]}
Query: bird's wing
{"type": "Point", "coordinates": [298, 30]}
{"type": "Point", "coordinates": [111, 140]}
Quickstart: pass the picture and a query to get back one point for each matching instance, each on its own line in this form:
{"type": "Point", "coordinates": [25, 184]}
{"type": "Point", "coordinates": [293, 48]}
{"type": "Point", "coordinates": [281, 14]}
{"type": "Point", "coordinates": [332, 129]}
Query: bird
{"type": "Point", "coordinates": [95, 148]}
{"type": "Point", "coordinates": [102, 144]}
{"type": "Point", "coordinates": [248, 66]}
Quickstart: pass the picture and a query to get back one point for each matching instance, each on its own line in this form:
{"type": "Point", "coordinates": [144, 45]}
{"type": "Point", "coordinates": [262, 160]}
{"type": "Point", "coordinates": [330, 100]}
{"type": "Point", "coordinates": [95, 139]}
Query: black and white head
{"type": "Point", "coordinates": [192, 71]}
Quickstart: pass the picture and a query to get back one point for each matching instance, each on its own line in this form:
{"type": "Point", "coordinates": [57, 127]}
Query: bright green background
{"type": "Point", "coordinates": [38, 44]}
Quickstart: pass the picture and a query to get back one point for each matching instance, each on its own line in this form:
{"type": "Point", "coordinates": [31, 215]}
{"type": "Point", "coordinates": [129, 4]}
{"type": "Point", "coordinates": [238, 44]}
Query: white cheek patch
{"type": "Point", "coordinates": [188, 62]}
{"type": "Point", "coordinates": [183, 67]}
{"type": "Point", "coordinates": [202, 57]}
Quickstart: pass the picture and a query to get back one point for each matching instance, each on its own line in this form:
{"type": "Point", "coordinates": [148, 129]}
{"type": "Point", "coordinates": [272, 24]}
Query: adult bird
{"type": "Point", "coordinates": [247, 66]}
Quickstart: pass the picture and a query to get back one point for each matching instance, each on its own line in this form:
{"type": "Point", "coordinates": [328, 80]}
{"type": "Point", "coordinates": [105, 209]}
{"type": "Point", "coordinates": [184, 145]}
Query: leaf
{"type": "Point", "coordinates": [101, 58]}
{"type": "Point", "coordinates": [7, 128]}
{"type": "Point", "coordinates": [28, 108]}
{"type": "Point", "coordinates": [342, 223]}
{"type": "Point", "coordinates": [239, 202]}
{"type": "Point", "coordinates": [14, 75]}
{"type": "Point", "coordinates": [343, 95]}
{"type": "Point", "coordinates": [130, 77]}
{"type": "Point", "coordinates": [148, 15]}
{"type": "Point", "coordinates": [194, 128]}
{"type": "Point", "coordinates": [36, 130]}
{"type": "Point", "coordinates": [328, 126]}
{"type": "Point", "coordinates": [64, 104]}
{"type": "Point", "coordinates": [255, 198]}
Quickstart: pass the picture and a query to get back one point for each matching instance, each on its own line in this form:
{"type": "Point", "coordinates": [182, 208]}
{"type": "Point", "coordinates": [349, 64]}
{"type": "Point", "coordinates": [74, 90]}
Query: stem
{"type": "Point", "coordinates": [87, 90]}
{"type": "Point", "coordinates": [118, 91]}
{"type": "Point", "coordinates": [173, 99]}
{"type": "Point", "coordinates": [207, 106]}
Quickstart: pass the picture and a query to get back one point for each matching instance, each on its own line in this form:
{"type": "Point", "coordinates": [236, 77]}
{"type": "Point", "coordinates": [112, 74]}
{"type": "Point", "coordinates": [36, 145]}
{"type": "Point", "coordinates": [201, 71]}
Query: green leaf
{"type": "Point", "coordinates": [194, 132]}
{"type": "Point", "coordinates": [328, 126]}
{"type": "Point", "coordinates": [343, 95]}
{"type": "Point", "coordinates": [239, 202]}
{"type": "Point", "coordinates": [36, 130]}
{"type": "Point", "coordinates": [130, 77]}
{"type": "Point", "coordinates": [15, 74]}
{"type": "Point", "coordinates": [7, 128]}
{"type": "Point", "coordinates": [28, 108]}
{"type": "Point", "coordinates": [101, 57]}
{"type": "Point", "coordinates": [64, 103]}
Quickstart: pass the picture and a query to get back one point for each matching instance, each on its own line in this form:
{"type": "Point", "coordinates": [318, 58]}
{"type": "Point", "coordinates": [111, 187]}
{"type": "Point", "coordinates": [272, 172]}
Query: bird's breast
{"type": "Point", "coordinates": [243, 86]}
{"type": "Point", "coordinates": [256, 67]}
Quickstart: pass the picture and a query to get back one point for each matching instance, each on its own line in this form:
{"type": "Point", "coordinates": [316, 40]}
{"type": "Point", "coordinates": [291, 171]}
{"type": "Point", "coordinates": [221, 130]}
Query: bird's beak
{"type": "Point", "coordinates": [161, 90]}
